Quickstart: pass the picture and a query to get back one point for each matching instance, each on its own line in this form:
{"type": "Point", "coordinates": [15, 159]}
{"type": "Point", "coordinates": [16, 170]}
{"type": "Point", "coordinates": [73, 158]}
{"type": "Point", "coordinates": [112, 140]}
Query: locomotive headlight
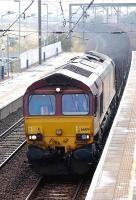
{"type": "Point", "coordinates": [85, 137]}
{"type": "Point", "coordinates": [32, 137]}
{"type": "Point", "coordinates": [82, 137]}
{"type": "Point", "coordinates": [35, 137]}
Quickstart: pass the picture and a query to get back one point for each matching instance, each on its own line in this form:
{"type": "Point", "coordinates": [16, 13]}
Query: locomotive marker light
{"type": "Point", "coordinates": [58, 89]}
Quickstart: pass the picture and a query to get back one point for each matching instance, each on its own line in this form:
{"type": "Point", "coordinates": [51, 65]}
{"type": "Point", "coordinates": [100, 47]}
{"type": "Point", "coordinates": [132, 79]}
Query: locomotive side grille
{"type": "Point", "coordinates": [78, 70]}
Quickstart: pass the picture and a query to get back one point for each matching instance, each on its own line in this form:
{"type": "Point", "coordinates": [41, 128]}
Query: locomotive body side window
{"type": "Point", "coordinates": [41, 105]}
{"type": "Point", "coordinates": [75, 104]}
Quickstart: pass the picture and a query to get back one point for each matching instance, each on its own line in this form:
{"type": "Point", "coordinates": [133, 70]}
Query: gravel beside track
{"type": "Point", "coordinates": [16, 178]}
{"type": "Point", "coordinates": [11, 119]}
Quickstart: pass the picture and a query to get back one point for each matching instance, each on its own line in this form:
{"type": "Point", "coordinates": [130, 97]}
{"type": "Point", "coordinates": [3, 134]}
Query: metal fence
{"type": "Point", "coordinates": [7, 67]}
{"type": "Point", "coordinates": [27, 59]}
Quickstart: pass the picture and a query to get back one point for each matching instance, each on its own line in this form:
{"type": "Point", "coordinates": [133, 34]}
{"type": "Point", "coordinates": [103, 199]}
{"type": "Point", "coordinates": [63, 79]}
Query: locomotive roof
{"type": "Point", "coordinates": [86, 69]}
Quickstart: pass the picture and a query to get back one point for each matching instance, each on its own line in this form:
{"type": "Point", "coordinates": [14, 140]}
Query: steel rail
{"type": "Point", "coordinates": [78, 189]}
{"type": "Point", "coordinates": [12, 127]}
{"type": "Point", "coordinates": [75, 196]}
{"type": "Point", "coordinates": [34, 188]}
{"type": "Point", "coordinates": [11, 155]}
{"type": "Point", "coordinates": [11, 141]}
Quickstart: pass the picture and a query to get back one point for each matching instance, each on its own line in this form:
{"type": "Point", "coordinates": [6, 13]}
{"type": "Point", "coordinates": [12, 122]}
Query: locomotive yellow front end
{"type": "Point", "coordinates": [63, 133]}
{"type": "Point", "coordinates": [55, 143]}
{"type": "Point", "coordinates": [59, 130]}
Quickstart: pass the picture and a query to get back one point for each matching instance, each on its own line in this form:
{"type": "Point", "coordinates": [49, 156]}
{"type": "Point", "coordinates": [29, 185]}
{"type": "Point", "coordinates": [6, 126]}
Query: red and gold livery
{"type": "Point", "coordinates": [66, 114]}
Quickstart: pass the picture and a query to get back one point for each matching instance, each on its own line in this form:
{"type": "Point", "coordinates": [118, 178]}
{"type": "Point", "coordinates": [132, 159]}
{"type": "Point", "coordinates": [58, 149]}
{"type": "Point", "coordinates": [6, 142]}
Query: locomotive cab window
{"type": "Point", "coordinates": [41, 105]}
{"type": "Point", "coordinates": [75, 104]}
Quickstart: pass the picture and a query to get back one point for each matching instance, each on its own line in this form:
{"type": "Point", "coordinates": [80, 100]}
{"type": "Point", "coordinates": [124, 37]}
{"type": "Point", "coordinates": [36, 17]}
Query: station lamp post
{"type": "Point", "coordinates": [46, 20]}
{"type": "Point", "coordinates": [3, 47]}
{"type": "Point", "coordinates": [2, 61]}
{"type": "Point", "coordinates": [18, 25]}
{"type": "Point", "coordinates": [46, 37]}
{"type": "Point", "coordinates": [39, 32]}
{"type": "Point", "coordinates": [26, 41]}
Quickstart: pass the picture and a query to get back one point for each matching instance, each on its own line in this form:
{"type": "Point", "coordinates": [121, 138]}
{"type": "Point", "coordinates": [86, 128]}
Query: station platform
{"type": "Point", "coordinates": [12, 89]}
{"type": "Point", "coordinates": [115, 176]}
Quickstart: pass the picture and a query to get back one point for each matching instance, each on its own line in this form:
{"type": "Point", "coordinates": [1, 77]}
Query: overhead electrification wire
{"type": "Point", "coordinates": [76, 11]}
{"type": "Point", "coordinates": [64, 20]}
{"type": "Point", "coordinates": [101, 32]}
{"type": "Point", "coordinates": [23, 36]}
{"type": "Point", "coordinates": [71, 30]}
{"type": "Point", "coordinates": [23, 13]}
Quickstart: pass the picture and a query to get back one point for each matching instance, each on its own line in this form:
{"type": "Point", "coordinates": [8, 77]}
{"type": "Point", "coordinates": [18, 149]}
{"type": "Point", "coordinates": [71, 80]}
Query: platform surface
{"type": "Point", "coordinates": [14, 87]}
{"type": "Point", "coordinates": [115, 176]}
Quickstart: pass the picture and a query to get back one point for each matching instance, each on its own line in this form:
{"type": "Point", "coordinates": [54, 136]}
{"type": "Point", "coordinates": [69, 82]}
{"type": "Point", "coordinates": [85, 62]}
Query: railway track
{"type": "Point", "coordinates": [62, 189]}
{"type": "Point", "coordinates": [11, 141]}
{"type": "Point", "coordinates": [57, 188]}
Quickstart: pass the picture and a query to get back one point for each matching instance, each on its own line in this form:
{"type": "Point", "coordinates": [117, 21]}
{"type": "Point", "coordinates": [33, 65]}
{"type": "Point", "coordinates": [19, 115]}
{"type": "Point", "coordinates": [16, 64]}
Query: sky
{"type": "Point", "coordinates": [53, 6]}
{"type": "Point", "coordinates": [13, 4]}
{"type": "Point", "coordinates": [54, 10]}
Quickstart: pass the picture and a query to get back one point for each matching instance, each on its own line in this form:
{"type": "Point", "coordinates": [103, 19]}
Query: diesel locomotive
{"type": "Point", "coordinates": [67, 112]}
